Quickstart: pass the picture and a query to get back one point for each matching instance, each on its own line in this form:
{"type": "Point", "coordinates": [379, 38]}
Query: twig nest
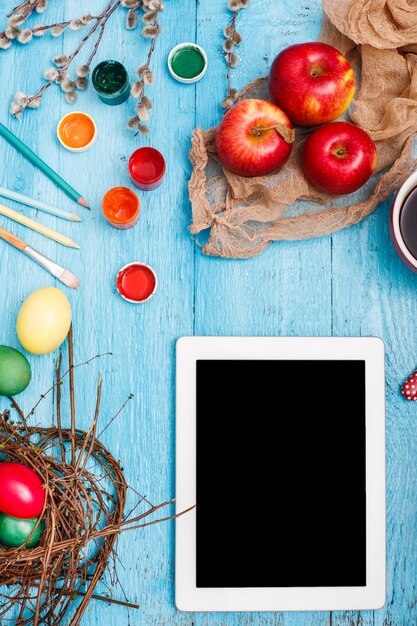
{"type": "Point", "coordinates": [83, 510]}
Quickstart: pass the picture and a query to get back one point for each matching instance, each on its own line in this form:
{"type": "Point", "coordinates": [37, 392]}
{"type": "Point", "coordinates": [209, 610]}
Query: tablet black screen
{"type": "Point", "coordinates": [281, 493]}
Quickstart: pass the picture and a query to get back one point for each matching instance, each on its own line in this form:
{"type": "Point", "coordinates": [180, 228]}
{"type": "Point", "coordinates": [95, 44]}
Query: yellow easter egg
{"type": "Point", "coordinates": [44, 320]}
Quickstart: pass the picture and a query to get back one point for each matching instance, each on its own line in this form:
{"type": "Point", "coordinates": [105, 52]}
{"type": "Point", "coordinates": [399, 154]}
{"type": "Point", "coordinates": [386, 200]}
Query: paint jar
{"type": "Point", "coordinates": [136, 282]}
{"type": "Point", "coordinates": [111, 82]}
{"type": "Point", "coordinates": [146, 168]}
{"type": "Point", "coordinates": [121, 207]}
{"type": "Point", "coordinates": [187, 62]}
{"type": "Point", "coordinates": [77, 131]}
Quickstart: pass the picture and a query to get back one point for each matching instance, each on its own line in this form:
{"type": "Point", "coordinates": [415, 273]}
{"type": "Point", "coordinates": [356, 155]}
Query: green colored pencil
{"type": "Point", "coordinates": [41, 165]}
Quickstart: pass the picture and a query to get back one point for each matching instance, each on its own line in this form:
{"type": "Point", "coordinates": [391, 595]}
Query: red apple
{"type": "Point", "coordinates": [312, 82]}
{"type": "Point", "coordinates": [254, 138]}
{"type": "Point", "coordinates": [339, 157]}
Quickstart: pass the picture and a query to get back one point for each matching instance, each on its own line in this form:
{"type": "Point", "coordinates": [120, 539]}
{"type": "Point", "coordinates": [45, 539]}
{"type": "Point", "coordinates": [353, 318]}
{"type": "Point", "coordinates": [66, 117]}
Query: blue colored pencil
{"type": "Point", "coordinates": [41, 165]}
{"type": "Point", "coordinates": [37, 204]}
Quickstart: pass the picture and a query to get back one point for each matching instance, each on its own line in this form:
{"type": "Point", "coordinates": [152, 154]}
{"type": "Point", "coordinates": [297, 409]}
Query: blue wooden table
{"type": "Point", "coordinates": [351, 283]}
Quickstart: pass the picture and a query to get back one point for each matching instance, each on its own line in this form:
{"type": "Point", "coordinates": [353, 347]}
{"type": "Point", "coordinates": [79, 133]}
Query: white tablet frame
{"type": "Point", "coordinates": [188, 596]}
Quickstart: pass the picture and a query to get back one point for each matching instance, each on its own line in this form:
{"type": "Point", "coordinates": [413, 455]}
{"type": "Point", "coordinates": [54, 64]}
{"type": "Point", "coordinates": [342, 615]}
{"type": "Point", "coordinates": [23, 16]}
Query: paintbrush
{"type": "Point", "coordinates": [37, 226]}
{"type": "Point", "coordinates": [53, 268]}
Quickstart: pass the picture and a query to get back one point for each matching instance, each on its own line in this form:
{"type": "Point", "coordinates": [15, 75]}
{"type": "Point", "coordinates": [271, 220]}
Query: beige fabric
{"type": "Point", "coordinates": [379, 37]}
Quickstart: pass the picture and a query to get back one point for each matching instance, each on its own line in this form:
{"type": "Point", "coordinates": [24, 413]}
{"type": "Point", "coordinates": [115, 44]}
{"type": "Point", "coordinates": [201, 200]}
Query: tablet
{"type": "Point", "coordinates": [280, 443]}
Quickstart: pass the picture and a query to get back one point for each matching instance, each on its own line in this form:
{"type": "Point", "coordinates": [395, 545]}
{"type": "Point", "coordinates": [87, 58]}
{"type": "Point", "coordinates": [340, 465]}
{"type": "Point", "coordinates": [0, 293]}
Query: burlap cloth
{"type": "Point", "coordinates": [379, 37]}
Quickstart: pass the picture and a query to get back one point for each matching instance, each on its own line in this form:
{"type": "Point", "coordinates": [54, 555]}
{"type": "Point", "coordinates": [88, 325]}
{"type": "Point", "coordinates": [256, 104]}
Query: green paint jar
{"type": "Point", "coordinates": [187, 62]}
{"type": "Point", "coordinates": [111, 82]}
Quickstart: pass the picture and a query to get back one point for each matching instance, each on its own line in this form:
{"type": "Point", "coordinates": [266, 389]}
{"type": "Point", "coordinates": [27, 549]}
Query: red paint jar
{"type": "Point", "coordinates": [121, 207]}
{"type": "Point", "coordinates": [136, 282]}
{"type": "Point", "coordinates": [147, 168]}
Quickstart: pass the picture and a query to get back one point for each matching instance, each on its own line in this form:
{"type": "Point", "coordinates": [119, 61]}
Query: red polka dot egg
{"type": "Point", "coordinates": [21, 491]}
{"type": "Point", "coordinates": [409, 388]}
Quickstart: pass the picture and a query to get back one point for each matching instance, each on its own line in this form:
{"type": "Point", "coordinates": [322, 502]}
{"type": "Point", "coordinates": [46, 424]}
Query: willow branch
{"type": "Point", "coordinates": [102, 19]}
{"type": "Point", "coordinates": [229, 65]}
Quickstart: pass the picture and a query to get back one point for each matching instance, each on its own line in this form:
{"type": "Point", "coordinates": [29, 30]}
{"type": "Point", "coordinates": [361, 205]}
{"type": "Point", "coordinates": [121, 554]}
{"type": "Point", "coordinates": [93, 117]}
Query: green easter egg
{"type": "Point", "coordinates": [14, 531]}
{"type": "Point", "coordinates": [15, 373]}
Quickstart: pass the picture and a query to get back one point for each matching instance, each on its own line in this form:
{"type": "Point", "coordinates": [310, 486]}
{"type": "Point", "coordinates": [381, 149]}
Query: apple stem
{"type": "Point", "coordinates": [287, 134]}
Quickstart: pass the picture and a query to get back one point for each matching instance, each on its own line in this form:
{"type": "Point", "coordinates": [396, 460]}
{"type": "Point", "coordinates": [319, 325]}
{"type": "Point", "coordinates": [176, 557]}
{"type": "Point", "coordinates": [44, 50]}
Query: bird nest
{"type": "Point", "coordinates": [85, 498]}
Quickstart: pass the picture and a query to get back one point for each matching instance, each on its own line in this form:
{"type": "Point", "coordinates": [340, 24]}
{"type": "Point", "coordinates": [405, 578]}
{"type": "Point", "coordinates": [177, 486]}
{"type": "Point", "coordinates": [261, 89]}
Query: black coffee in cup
{"type": "Point", "coordinates": [408, 222]}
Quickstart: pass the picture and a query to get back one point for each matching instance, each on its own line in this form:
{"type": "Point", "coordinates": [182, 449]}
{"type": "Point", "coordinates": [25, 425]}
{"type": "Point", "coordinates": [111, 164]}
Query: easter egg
{"type": "Point", "coordinates": [14, 531]}
{"type": "Point", "coordinates": [44, 320]}
{"type": "Point", "coordinates": [15, 371]}
{"type": "Point", "coordinates": [21, 491]}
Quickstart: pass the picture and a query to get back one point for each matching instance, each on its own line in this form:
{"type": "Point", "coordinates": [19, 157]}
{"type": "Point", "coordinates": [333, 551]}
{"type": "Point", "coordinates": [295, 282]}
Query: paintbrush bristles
{"type": "Point", "coordinates": [69, 279]}
{"type": "Point", "coordinates": [53, 268]}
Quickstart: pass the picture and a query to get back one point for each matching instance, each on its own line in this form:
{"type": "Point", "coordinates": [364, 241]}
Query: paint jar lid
{"type": "Point", "coordinates": [77, 131]}
{"type": "Point", "coordinates": [187, 62]}
{"type": "Point", "coordinates": [136, 282]}
{"type": "Point", "coordinates": [146, 167]}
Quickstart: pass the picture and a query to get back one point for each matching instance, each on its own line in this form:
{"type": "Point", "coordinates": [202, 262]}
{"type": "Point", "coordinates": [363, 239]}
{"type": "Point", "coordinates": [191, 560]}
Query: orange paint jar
{"type": "Point", "coordinates": [121, 207]}
{"type": "Point", "coordinates": [77, 131]}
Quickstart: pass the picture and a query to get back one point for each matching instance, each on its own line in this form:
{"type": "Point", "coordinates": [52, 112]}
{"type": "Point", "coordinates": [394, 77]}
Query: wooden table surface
{"type": "Point", "coordinates": [351, 283]}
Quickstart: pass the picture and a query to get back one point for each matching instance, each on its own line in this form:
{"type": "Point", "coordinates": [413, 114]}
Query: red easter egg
{"type": "Point", "coordinates": [21, 491]}
{"type": "Point", "coordinates": [409, 388]}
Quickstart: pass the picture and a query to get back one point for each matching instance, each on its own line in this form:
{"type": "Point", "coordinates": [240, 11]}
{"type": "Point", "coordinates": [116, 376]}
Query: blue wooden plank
{"type": "Point", "coordinates": [383, 294]}
{"type": "Point", "coordinates": [287, 290]}
{"type": "Point", "coordinates": [351, 283]}
{"type": "Point", "coordinates": [140, 337]}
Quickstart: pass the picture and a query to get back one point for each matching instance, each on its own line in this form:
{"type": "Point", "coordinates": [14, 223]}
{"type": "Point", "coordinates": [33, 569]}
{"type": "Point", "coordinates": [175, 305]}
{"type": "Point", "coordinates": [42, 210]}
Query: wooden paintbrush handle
{"type": "Point", "coordinates": [10, 238]}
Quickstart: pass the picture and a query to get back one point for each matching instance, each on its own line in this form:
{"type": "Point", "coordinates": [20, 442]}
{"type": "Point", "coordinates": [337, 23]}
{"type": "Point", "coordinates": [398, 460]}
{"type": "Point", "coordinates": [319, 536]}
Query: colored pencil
{"type": "Point", "coordinates": [37, 204]}
{"type": "Point", "coordinates": [53, 268]}
{"type": "Point", "coordinates": [41, 165]}
{"type": "Point", "coordinates": [37, 226]}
